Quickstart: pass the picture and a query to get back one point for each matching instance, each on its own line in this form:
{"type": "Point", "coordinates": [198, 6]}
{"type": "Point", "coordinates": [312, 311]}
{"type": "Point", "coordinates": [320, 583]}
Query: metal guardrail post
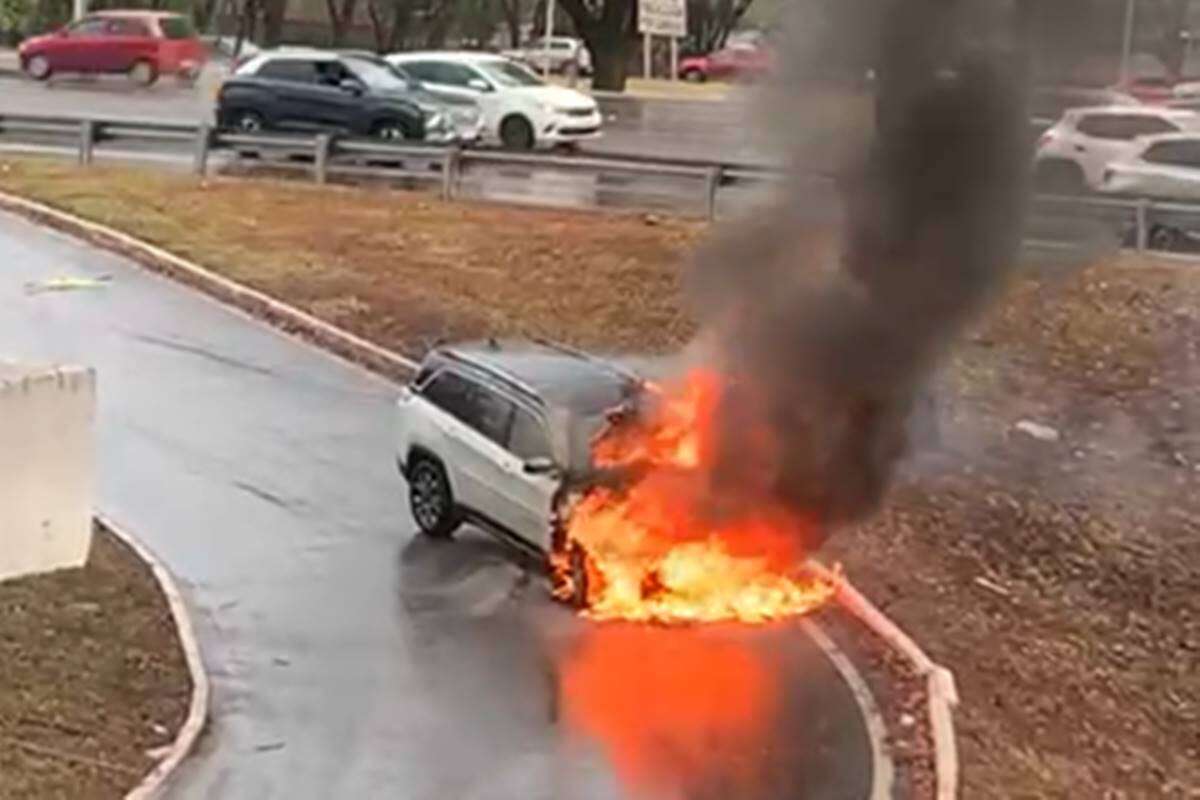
{"type": "Point", "coordinates": [324, 146]}
{"type": "Point", "coordinates": [451, 163]}
{"type": "Point", "coordinates": [87, 141]}
{"type": "Point", "coordinates": [1142, 215]}
{"type": "Point", "coordinates": [712, 183]}
{"type": "Point", "coordinates": [204, 141]}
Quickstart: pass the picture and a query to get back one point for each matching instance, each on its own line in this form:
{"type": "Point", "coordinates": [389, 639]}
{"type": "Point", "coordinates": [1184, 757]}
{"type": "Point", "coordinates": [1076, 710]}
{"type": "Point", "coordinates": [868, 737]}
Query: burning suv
{"type": "Point", "coordinates": [493, 433]}
{"type": "Point", "coordinates": [608, 476]}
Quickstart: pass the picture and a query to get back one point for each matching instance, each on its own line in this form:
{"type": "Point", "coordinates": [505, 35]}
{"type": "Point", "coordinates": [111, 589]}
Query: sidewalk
{"type": "Point", "coordinates": [657, 89]}
{"type": "Point", "coordinates": [9, 62]}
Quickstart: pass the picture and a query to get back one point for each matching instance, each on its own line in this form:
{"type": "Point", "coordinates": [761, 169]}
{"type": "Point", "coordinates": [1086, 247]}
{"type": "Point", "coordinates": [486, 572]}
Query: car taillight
{"type": "Point", "coordinates": [1046, 139]}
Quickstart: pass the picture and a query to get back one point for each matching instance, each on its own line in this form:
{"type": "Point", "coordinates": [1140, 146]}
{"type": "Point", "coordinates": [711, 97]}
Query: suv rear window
{"type": "Point", "coordinates": [176, 28]}
{"type": "Point", "coordinates": [1123, 126]}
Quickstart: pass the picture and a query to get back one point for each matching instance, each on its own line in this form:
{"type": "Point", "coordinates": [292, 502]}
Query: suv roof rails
{"type": "Point", "coordinates": [566, 349]}
{"type": "Point", "coordinates": [510, 381]}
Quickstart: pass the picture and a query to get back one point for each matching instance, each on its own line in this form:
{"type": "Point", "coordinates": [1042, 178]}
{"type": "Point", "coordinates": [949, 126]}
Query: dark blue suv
{"type": "Point", "coordinates": [316, 91]}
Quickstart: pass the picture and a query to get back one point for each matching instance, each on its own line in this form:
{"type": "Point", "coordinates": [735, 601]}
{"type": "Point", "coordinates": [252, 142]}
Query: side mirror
{"type": "Point", "coordinates": [479, 85]}
{"type": "Point", "coordinates": [351, 86]}
{"type": "Point", "coordinates": [540, 465]}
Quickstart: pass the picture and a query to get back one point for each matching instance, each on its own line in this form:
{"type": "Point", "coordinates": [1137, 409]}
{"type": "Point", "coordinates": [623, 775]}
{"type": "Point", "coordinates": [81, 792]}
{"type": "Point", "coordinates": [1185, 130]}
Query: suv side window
{"type": "Point", "coordinates": [528, 438]}
{"type": "Point", "coordinates": [1179, 154]}
{"type": "Point", "coordinates": [472, 404]}
{"type": "Point", "coordinates": [288, 69]}
{"type": "Point", "coordinates": [492, 414]}
{"type": "Point", "coordinates": [451, 393]}
{"type": "Point", "coordinates": [1123, 126]}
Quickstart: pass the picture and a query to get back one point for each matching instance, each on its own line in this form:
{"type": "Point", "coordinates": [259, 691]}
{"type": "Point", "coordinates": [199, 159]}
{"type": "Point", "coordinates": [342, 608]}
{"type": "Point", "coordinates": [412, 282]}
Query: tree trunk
{"type": "Point", "coordinates": [512, 19]}
{"type": "Point", "coordinates": [340, 20]}
{"type": "Point", "coordinates": [607, 35]}
{"type": "Point", "coordinates": [274, 13]}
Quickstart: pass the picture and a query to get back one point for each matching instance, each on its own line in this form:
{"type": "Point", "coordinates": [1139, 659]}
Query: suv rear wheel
{"type": "Point", "coordinates": [430, 498]}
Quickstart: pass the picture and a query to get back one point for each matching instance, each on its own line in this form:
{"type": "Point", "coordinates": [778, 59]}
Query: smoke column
{"type": "Point", "coordinates": [832, 358]}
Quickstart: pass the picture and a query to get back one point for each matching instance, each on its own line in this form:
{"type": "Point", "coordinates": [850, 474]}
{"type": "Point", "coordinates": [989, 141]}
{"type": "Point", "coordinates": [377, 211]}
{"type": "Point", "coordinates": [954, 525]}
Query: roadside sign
{"type": "Point", "coordinates": [662, 18]}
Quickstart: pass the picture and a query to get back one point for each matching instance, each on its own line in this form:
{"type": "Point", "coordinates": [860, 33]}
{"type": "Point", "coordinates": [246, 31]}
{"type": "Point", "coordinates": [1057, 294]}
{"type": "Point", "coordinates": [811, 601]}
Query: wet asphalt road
{"type": "Point", "coordinates": [353, 659]}
{"type": "Point", "coordinates": [690, 129]}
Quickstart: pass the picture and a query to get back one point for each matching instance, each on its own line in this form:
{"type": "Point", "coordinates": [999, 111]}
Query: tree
{"type": "Point", "coordinates": [511, 11]}
{"type": "Point", "coordinates": [13, 16]}
{"type": "Point", "coordinates": [390, 23]}
{"type": "Point", "coordinates": [341, 17]}
{"type": "Point", "coordinates": [711, 21]}
{"type": "Point", "coordinates": [607, 27]}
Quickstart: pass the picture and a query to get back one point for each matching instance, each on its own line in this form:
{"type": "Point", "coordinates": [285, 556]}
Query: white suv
{"type": "Point", "coordinates": [1073, 154]}
{"type": "Point", "coordinates": [519, 109]}
{"type": "Point", "coordinates": [490, 433]}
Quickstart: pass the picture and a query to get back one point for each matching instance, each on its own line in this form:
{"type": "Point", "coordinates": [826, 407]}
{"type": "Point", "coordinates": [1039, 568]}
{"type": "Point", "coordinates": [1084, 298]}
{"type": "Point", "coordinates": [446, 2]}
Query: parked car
{"type": "Point", "coordinates": [560, 52]}
{"type": "Point", "coordinates": [1165, 167]}
{"type": "Point", "coordinates": [740, 62]}
{"type": "Point", "coordinates": [1073, 154]}
{"type": "Point", "coordinates": [1051, 102]}
{"type": "Point", "coordinates": [141, 44]}
{"type": "Point", "coordinates": [492, 433]}
{"type": "Point", "coordinates": [314, 90]}
{"type": "Point", "coordinates": [520, 110]}
{"type": "Point", "coordinates": [464, 113]}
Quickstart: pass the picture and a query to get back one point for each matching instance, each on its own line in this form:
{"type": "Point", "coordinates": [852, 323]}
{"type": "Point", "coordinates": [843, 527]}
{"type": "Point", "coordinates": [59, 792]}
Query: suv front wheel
{"type": "Point", "coordinates": [430, 498]}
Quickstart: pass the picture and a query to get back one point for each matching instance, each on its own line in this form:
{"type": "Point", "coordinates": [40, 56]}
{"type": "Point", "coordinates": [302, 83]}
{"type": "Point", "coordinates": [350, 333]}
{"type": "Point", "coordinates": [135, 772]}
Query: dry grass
{"type": "Point", "coordinates": [400, 268]}
{"type": "Point", "coordinates": [93, 677]}
{"type": "Point", "coordinates": [1078, 656]}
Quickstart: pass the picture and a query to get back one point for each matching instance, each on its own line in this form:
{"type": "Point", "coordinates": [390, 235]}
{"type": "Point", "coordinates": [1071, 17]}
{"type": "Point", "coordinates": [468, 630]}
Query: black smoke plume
{"type": "Point", "coordinates": [831, 355]}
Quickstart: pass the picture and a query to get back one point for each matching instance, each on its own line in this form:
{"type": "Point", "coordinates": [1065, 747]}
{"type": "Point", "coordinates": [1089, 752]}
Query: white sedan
{"type": "Point", "coordinates": [519, 109]}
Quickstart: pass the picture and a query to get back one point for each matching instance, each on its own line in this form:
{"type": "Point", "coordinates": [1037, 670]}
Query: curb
{"type": "Point", "coordinates": [939, 681]}
{"type": "Point", "coordinates": [153, 784]}
{"type": "Point", "coordinates": [943, 694]}
{"type": "Point", "coordinates": [288, 318]}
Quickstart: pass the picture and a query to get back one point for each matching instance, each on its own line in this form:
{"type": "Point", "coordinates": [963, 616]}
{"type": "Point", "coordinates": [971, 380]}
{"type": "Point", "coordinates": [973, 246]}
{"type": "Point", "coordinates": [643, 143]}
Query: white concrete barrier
{"type": "Point", "coordinates": [47, 455]}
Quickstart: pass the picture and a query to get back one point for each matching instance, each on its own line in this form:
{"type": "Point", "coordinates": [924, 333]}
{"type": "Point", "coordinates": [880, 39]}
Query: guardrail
{"type": "Point", "coordinates": [1142, 223]}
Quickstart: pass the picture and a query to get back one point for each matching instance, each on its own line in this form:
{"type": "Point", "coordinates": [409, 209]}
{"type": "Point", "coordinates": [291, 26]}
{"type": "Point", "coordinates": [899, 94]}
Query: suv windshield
{"type": "Point", "coordinates": [379, 77]}
{"type": "Point", "coordinates": [176, 28]}
{"type": "Point", "coordinates": [509, 74]}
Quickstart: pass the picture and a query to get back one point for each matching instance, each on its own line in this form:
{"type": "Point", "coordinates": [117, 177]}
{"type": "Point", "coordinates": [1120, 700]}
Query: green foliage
{"type": "Point", "coordinates": [14, 15]}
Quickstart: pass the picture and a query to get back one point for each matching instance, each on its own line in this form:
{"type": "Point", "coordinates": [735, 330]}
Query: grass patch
{"type": "Point", "coordinates": [94, 677]}
{"type": "Point", "coordinates": [1076, 653]}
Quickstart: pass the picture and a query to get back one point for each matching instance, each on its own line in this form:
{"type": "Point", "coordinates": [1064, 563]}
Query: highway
{"type": "Point", "coordinates": [692, 129]}
{"type": "Point", "coordinates": [353, 658]}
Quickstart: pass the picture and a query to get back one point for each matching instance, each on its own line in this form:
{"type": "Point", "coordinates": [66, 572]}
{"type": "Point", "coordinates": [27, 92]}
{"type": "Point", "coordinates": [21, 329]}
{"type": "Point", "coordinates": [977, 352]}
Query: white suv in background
{"type": "Point", "coordinates": [520, 110]}
{"type": "Point", "coordinates": [489, 433]}
{"type": "Point", "coordinates": [1073, 154]}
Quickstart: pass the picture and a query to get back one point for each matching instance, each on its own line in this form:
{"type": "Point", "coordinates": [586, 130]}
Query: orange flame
{"type": "Point", "coordinates": [665, 703]}
{"type": "Point", "coordinates": [670, 547]}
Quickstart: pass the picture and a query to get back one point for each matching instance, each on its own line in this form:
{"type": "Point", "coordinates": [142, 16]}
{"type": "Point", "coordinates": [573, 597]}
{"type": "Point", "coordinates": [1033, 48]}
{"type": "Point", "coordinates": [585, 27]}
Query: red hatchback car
{"type": "Point", "coordinates": [141, 44]}
{"type": "Point", "coordinates": [732, 63]}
